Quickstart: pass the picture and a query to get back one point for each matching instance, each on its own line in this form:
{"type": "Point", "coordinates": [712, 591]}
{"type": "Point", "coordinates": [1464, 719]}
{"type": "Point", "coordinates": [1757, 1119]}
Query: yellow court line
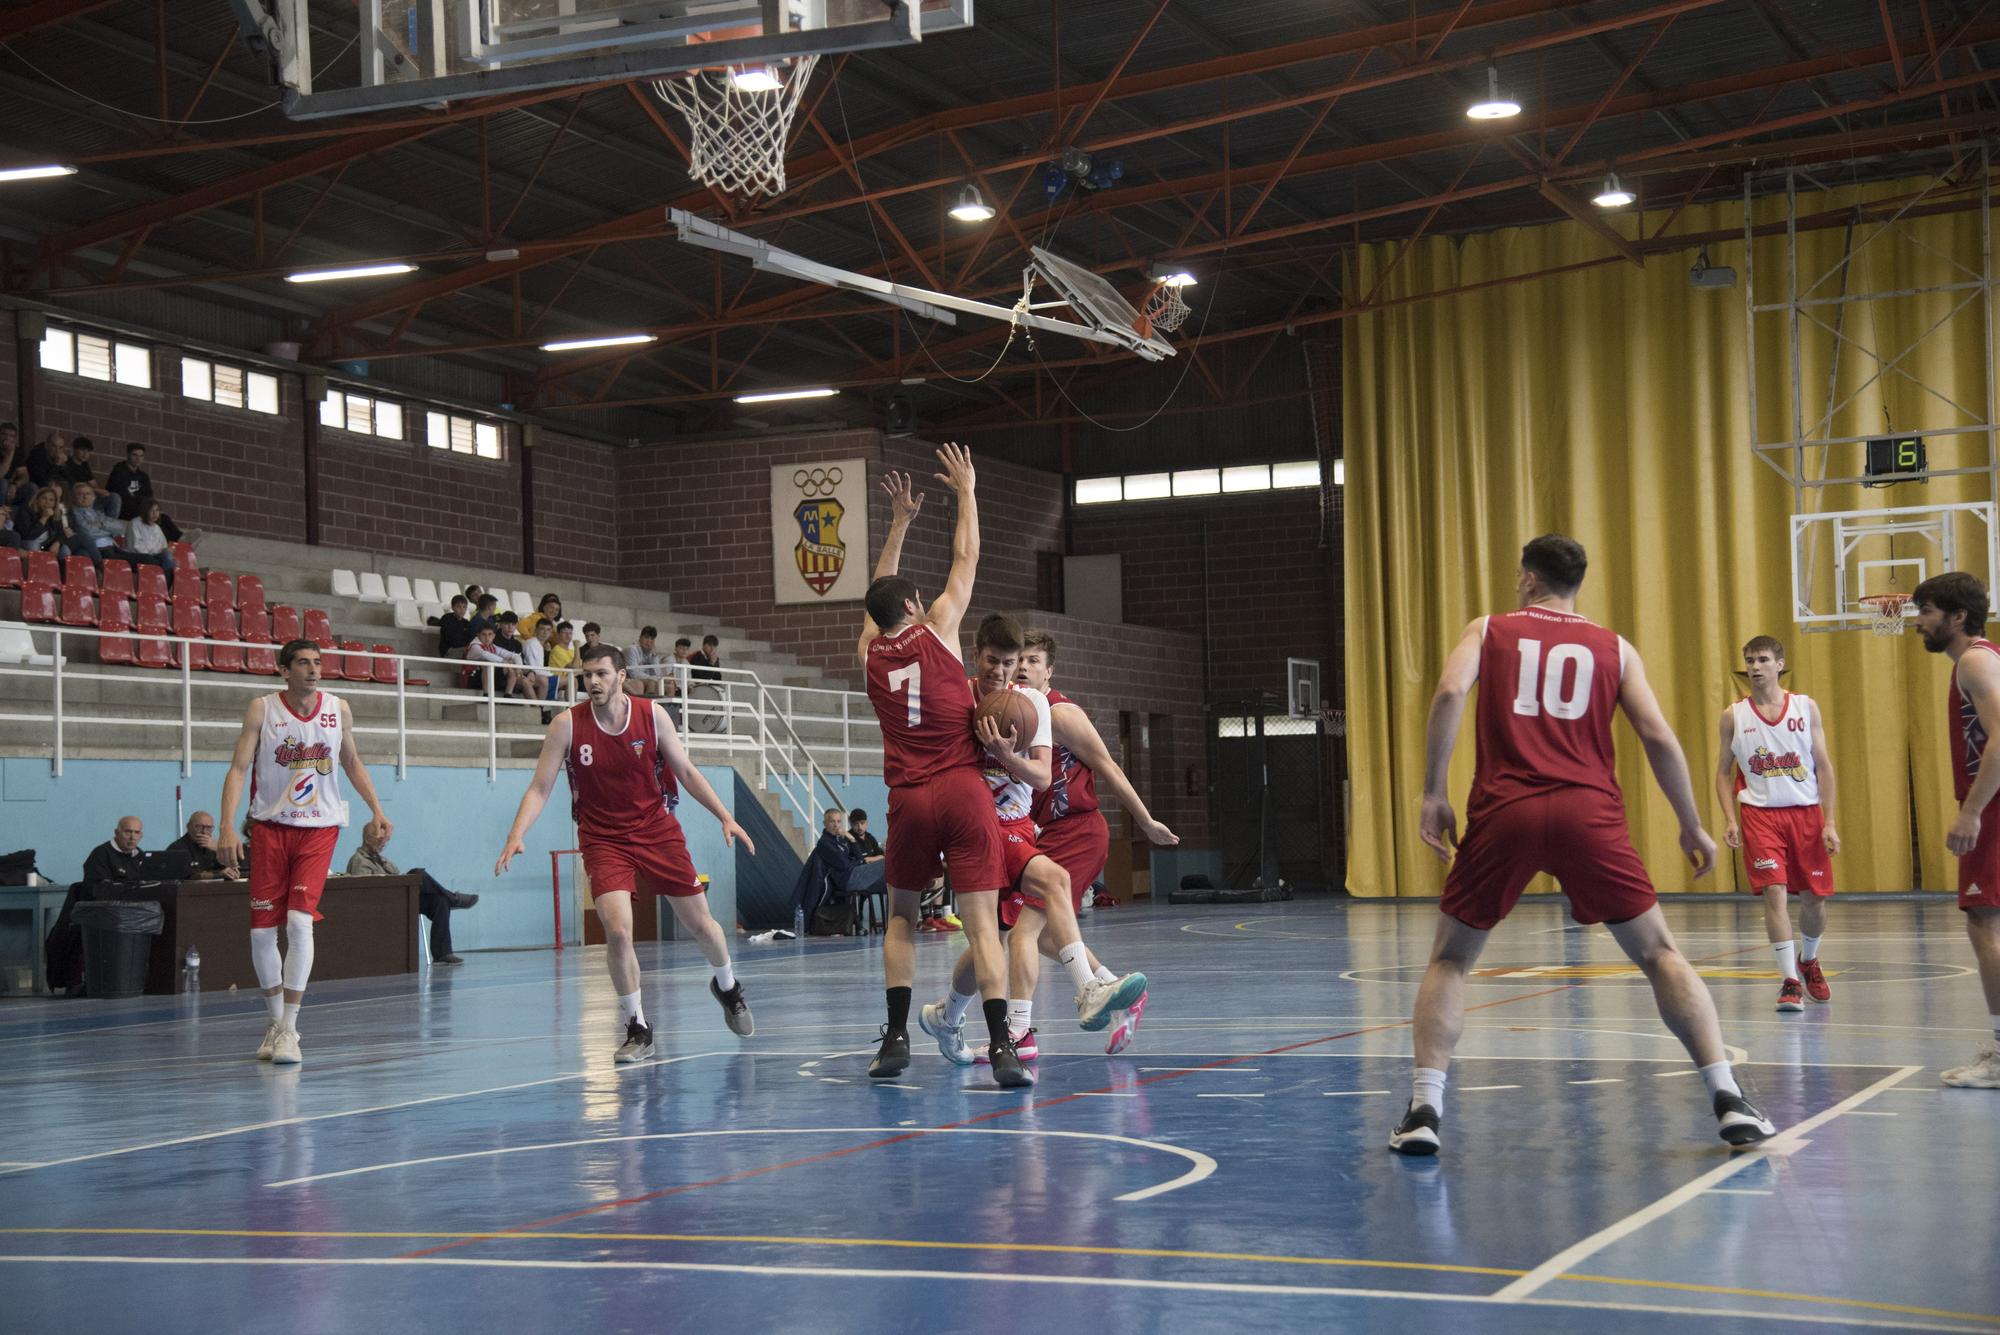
{"type": "Point", "coordinates": [917, 1244]}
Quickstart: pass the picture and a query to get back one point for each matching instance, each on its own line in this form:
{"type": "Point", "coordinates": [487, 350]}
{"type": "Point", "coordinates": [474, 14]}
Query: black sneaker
{"type": "Point", "coordinates": [1739, 1123]}
{"type": "Point", "coordinates": [893, 1057]}
{"type": "Point", "coordinates": [1418, 1131]}
{"type": "Point", "coordinates": [1009, 1071]}
{"type": "Point", "coordinates": [735, 1010]}
{"type": "Point", "coordinates": [638, 1044]}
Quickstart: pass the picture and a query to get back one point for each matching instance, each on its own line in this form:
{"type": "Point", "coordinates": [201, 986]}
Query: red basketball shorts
{"type": "Point", "coordinates": [657, 863]}
{"type": "Point", "coordinates": [1979, 870]}
{"type": "Point", "coordinates": [1786, 846]}
{"type": "Point", "coordinates": [1018, 847]}
{"type": "Point", "coordinates": [948, 816]}
{"type": "Point", "coordinates": [1577, 835]}
{"type": "Point", "coordinates": [1078, 844]}
{"type": "Point", "coordinates": [288, 866]}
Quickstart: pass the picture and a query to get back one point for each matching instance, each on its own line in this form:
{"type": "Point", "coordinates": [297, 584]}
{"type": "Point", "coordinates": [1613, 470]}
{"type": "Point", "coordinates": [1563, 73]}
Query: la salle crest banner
{"type": "Point", "coordinates": [819, 531]}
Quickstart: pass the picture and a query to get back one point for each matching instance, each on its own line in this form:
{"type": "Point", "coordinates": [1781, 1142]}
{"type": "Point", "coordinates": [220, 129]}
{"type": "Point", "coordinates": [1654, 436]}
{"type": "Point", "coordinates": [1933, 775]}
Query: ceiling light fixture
{"type": "Point", "coordinates": [971, 206]}
{"type": "Point", "coordinates": [36, 173]}
{"type": "Point", "coordinates": [780, 395]}
{"type": "Point", "coordinates": [1496, 105]}
{"type": "Point", "coordinates": [355, 271]}
{"type": "Point", "coordinates": [602, 341]}
{"type": "Point", "coordinates": [1174, 274]}
{"type": "Point", "coordinates": [1613, 194]}
{"type": "Point", "coordinates": [755, 79]}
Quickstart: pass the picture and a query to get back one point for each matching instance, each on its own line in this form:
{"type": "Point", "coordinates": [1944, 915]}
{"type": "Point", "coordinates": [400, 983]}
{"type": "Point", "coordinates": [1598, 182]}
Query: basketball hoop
{"type": "Point", "coordinates": [1885, 616]}
{"type": "Point", "coordinates": [737, 133]}
{"type": "Point", "coordinates": [1164, 311]}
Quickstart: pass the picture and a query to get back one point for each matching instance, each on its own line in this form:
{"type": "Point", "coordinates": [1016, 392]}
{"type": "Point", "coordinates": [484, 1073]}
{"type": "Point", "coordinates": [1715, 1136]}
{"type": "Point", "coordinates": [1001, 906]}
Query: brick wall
{"type": "Point", "coordinates": [407, 498]}
{"type": "Point", "coordinates": [576, 501]}
{"type": "Point", "coordinates": [10, 406]}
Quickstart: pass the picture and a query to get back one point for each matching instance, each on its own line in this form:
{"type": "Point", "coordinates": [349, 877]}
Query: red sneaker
{"type": "Point", "coordinates": [1791, 997]}
{"type": "Point", "coordinates": [1815, 981]}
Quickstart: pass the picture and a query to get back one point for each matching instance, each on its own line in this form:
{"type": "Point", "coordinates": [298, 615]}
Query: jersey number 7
{"type": "Point", "coordinates": [911, 679]}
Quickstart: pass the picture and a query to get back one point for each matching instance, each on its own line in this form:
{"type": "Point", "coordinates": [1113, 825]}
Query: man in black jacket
{"type": "Point", "coordinates": [199, 844]}
{"type": "Point", "coordinates": [117, 859]}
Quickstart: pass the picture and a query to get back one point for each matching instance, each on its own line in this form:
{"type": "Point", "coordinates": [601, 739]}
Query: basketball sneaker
{"type": "Point", "coordinates": [1417, 1133]}
{"type": "Point", "coordinates": [950, 1037]}
{"type": "Point", "coordinates": [270, 1043]}
{"type": "Point", "coordinates": [1739, 1123]}
{"type": "Point", "coordinates": [735, 1010]}
{"type": "Point", "coordinates": [1815, 981]}
{"type": "Point", "coordinates": [1022, 1041]}
{"type": "Point", "coordinates": [893, 1057]}
{"type": "Point", "coordinates": [1791, 996]}
{"type": "Point", "coordinates": [1097, 1001]}
{"type": "Point", "coordinates": [1125, 1027]}
{"type": "Point", "coordinates": [1009, 1072]}
{"type": "Point", "coordinates": [285, 1047]}
{"type": "Point", "coordinates": [638, 1044]}
{"type": "Point", "coordinates": [1982, 1073]}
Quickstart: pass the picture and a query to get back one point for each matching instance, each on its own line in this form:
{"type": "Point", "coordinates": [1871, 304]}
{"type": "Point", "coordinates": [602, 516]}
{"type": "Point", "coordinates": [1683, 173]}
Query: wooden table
{"type": "Point", "coordinates": [41, 903]}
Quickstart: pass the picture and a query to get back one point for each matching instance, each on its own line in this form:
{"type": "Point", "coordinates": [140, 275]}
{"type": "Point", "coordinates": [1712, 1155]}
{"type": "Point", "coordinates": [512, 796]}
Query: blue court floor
{"type": "Point", "coordinates": [459, 1154]}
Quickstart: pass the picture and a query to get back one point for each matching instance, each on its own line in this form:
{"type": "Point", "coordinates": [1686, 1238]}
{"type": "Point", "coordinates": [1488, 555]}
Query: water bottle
{"type": "Point", "coordinates": [191, 971]}
{"type": "Point", "coordinates": [799, 922]}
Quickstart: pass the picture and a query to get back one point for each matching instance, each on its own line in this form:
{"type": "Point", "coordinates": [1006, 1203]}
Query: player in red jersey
{"type": "Point", "coordinates": [627, 768]}
{"type": "Point", "coordinates": [1951, 615]}
{"type": "Point", "coordinates": [939, 804]}
{"type": "Point", "coordinates": [1546, 799]}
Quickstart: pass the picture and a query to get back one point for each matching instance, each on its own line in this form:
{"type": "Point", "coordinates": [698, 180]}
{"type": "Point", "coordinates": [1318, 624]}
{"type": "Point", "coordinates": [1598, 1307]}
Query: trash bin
{"type": "Point", "coordinates": [117, 941]}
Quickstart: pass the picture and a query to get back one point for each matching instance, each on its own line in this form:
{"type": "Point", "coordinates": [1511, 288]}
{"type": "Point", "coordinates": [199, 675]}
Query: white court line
{"type": "Point", "coordinates": [879, 1084]}
{"type": "Point", "coordinates": [1481, 1089]}
{"type": "Point", "coordinates": [1203, 1165]}
{"type": "Point", "coordinates": [1674, 1075]}
{"type": "Point", "coordinates": [351, 1112]}
{"type": "Point", "coordinates": [1349, 1093]}
{"type": "Point", "coordinates": [1568, 1259]}
{"type": "Point", "coordinates": [1607, 1080]}
{"type": "Point", "coordinates": [1107, 1094]}
{"type": "Point", "coordinates": [1229, 1096]}
{"type": "Point", "coordinates": [974, 1277]}
{"type": "Point", "coordinates": [1869, 1112]}
{"type": "Point", "coordinates": [1212, 1070]}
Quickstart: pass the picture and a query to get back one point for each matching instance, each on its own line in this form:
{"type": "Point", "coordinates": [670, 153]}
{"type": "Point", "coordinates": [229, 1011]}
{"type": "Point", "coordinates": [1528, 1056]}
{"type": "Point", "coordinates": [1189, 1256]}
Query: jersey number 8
{"type": "Point", "coordinates": [583, 754]}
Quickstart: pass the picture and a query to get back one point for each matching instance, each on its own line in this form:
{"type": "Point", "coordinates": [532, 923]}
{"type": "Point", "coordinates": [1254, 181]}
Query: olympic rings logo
{"type": "Point", "coordinates": [818, 481]}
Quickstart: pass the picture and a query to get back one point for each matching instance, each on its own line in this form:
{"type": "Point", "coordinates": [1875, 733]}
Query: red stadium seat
{"type": "Point", "coordinates": [11, 575]}
{"type": "Point", "coordinates": [79, 606]}
{"type": "Point", "coordinates": [155, 617]}
{"type": "Point", "coordinates": [319, 629]}
{"type": "Point", "coordinates": [42, 568]}
{"type": "Point", "coordinates": [156, 654]}
{"type": "Point", "coordinates": [117, 582]}
{"type": "Point", "coordinates": [152, 583]}
{"type": "Point", "coordinates": [115, 615]}
{"type": "Point", "coordinates": [350, 664]}
{"type": "Point", "coordinates": [222, 626]}
{"type": "Point", "coordinates": [254, 624]}
{"type": "Point", "coordinates": [190, 624]}
{"type": "Point", "coordinates": [220, 588]}
{"type": "Point", "coordinates": [184, 562]}
{"type": "Point", "coordinates": [385, 666]}
{"type": "Point", "coordinates": [79, 573]}
{"type": "Point", "coordinates": [38, 602]}
{"type": "Point", "coordinates": [249, 591]}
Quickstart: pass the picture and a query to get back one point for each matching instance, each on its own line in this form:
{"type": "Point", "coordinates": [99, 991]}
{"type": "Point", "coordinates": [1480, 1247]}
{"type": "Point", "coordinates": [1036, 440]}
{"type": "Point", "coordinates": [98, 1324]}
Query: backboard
{"type": "Point", "coordinates": [1841, 557]}
{"type": "Point", "coordinates": [1098, 304]}
{"type": "Point", "coordinates": [428, 52]}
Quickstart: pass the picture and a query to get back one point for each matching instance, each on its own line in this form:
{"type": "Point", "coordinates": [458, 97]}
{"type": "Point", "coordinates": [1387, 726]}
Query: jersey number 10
{"type": "Point", "coordinates": [1539, 691]}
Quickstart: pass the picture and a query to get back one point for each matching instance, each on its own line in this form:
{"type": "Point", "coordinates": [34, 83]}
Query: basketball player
{"type": "Point", "coordinates": [627, 768]}
{"type": "Point", "coordinates": [1951, 616]}
{"type": "Point", "coordinates": [939, 804]}
{"type": "Point", "coordinates": [1038, 888]}
{"type": "Point", "coordinates": [1545, 798]}
{"type": "Point", "coordinates": [1776, 742]}
{"type": "Point", "coordinates": [286, 750]}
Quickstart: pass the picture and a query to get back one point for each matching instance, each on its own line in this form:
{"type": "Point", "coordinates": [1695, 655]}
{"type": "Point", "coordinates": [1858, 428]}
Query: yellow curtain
{"type": "Point", "coordinates": [1612, 404]}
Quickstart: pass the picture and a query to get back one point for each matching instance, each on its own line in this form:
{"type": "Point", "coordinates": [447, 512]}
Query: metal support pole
{"type": "Point", "coordinates": [492, 729]}
{"type": "Point", "coordinates": [402, 721]}
{"type": "Point", "coordinates": [187, 708]}
{"type": "Point", "coordinates": [846, 739]}
{"type": "Point", "coordinates": [57, 767]}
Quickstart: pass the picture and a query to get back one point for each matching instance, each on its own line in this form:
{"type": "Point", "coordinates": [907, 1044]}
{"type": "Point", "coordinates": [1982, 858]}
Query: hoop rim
{"type": "Point", "coordinates": [1886, 604]}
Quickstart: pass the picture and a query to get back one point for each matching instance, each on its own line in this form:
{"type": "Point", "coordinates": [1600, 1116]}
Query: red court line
{"type": "Point", "coordinates": [1012, 1111]}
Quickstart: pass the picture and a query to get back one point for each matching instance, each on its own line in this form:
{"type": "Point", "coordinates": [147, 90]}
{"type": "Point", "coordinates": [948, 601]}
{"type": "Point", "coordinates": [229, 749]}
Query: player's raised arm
{"type": "Point", "coordinates": [357, 774]}
{"type": "Point", "coordinates": [1669, 762]}
{"type": "Point", "coordinates": [1074, 730]}
{"type": "Point", "coordinates": [948, 608]}
{"type": "Point", "coordinates": [1823, 771]}
{"type": "Point", "coordinates": [1979, 682]}
{"type": "Point", "coordinates": [555, 747]}
{"type": "Point", "coordinates": [1438, 823]}
{"type": "Point", "coordinates": [693, 782]}
{"type": "Point", "coordinates": [904, 506]}
{"type": "Point", "coordinates": [1725, 780]}
{"type": "Point", "coordinates": [228, 835]}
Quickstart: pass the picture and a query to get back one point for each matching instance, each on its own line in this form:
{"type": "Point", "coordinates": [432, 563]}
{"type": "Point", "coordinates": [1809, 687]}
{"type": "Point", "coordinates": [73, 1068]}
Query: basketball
{"type": "Point", "coordinates": [1008, 709]}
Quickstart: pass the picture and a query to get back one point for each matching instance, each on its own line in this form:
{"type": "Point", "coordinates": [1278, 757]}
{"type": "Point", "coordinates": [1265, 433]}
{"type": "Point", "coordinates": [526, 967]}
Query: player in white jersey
{"type": "Point", "coordinates": [1775, 783]}
{"type": "Point", "coordinates": [287, 752]}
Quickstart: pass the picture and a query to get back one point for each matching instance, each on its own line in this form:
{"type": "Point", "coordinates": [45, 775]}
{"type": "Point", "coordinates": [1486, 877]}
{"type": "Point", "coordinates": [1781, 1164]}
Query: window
{"type": "Point", "coordinates": [1275, 725]}
{"type": "Point", "coordinates": [345, 411]}
{"type": "Point", "coordinates": [462, 435]}
{"type": "Point", "coordinates": [1234, 480]}
{"type": "Point", "coordinates": [96, 357]}
{"type": "Point", "coordinates": [228, 386]}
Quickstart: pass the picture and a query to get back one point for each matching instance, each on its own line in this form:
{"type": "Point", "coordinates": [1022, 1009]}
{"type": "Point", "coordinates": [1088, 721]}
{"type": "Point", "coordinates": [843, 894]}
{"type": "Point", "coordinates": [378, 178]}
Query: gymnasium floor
{"type": "Point", "coordinates": [458, 1150]}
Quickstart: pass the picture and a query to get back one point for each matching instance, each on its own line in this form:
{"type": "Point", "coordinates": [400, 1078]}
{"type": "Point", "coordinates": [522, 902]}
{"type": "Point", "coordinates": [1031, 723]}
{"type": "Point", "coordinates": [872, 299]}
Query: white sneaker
{"type": "Point", "coordinates": [950, 1037]}
{"type": "Point", "coordinates": [1099, 999]}
{"type": "Point", "coordinates": [270, 1043]}
{"type": "Point", "coordinates": [285, 1047]}
{"type": "Point", "coordinates": [1982, 1073]}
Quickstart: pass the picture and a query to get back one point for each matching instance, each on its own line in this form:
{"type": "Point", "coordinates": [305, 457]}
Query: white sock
{"type": "Point", "coordinates": [1808, 947]}
{"type": "Point", "coordinates": [274, 1002]}
{"type": "Point", "coordinates": [298, 950]}
{"type": "Point", "coordinates": [1104, 975]}
{"type": "Point", "coordinates": [1786, 952]}
{"type": "Point", "coordinates": [956, 1005]}
{"type": "Point", "coordinates": [291, 1016]}
{"type": "Point", "coordinates": [1719, 1079]}
{"type": "Point", "coordinates": [1076, 962]}
{"type": "Point", "coordinates": [629, 1010]}
{"type": "Point", "coordinates": [1020, 1014]}
{"type": "Point", "coordinates": [725, 976]}
{"type": "Point", "coordinates": [264, 959]}
{"type": "Point", "coordinates": [1427, 1086]}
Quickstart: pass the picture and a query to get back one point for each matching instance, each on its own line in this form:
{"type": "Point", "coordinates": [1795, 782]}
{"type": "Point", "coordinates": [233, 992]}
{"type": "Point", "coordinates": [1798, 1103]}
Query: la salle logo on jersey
{"type": "Point", "coordinates": [820, 554]}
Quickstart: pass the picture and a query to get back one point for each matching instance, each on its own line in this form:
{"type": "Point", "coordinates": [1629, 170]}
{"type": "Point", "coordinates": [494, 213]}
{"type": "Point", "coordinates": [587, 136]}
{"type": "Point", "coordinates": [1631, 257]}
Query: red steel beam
{"type": "Point", "coordinates": [24, 19]}
{"type": "Point", "coordinates": [1059, 133]}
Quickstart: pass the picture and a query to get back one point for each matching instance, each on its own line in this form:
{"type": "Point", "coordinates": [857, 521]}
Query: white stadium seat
{"type": "Point", "coordinates": [426, 592]}
{"type": "Point", "coordinates": [372, 588]}
{"type": "Point", "coordinates": [408, 615]}
{"type": "Point", "coordinates": [18, 646]}
{"type": "Point", "coordinates": [344, 585]}
{"type": "Point", "coordinates": [400, 590]}
{"type": "Point", "coordinates": [500, 603]}
{"type": "Point", "coordinates": [523, 603]}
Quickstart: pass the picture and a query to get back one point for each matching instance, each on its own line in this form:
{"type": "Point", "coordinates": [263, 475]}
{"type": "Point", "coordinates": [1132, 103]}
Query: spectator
{"type": "Point", "coordinates": [592, 633]}
{"type": "Point", "coordinates": [707, 663]}
{"type": "Point", "coordinates": [47, 458]}
{"type": "Point", "coordinates": [9, 535]}
{"type": "Point", "coordinates": [454, 629]}
{"type": "Point", "coordinates": [144, 537]}
{"type": "Point", "coordinates": [486, 611]}
{"type": "Point", "coordinates": [433, 900]}
{"type": "Point", "coordinates": [131, 484]}
{"type": "Point", "coordinates": [473, 593]}
{"type": "Point", "coordinates": [535, 656]}
{"type": "Point", "coordinates": [199, 844]}
{"type": "Point", "coordinates": [78, 469]}
{"type": "Point", "coordinates": [10, 447]}
{"type": "Point", "coordinates": [867, 848]}
{"type": "Point", "coordinates": [96, 534]}
{"type": "Point", "coordinates": [549, 609]}
{"type": "Point", "coordinates": [507, 632]}
{"type": "Point", "coordinates": [562, 653]}
{"type": "Point", "coordinates": [46, 528]}
{"type": "Point", "coordinates": [645, 668]}
{"type": "Point", "coordinates": [508, 679]}
{"type": "Point", "coordinates": [117, 858]}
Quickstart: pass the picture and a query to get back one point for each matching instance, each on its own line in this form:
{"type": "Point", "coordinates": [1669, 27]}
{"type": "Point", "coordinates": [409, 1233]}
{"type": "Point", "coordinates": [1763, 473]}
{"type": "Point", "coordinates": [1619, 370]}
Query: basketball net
{"type": "Point", "coordinates": [1887, 609]}
{"type": "Point", "coordinates": [1164, 311]}
{"type": "Point", "coordinates": [737, 137]}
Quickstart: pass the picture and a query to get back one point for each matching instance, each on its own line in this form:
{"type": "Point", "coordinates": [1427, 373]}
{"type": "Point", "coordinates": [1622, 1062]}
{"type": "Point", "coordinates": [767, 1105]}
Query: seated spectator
{"type": "Point", "coordinates": [454, 629]}
{"type": "Point", "coordinates": [45, 527]}
{"type": "Point", "coordinates": [592, 633]}
{"type": "Point", "coordinates": [562, 653]}
{"type": "Point", "coordinates": [10, 460]}
{"type": "Point", "coordinates": [508, 679]}
{"type": "Point", "coordinates": [707, 663]}
{"type": "Point", "coordinates": [549, 609]}
{"type": "Point", "coordinates": [822, 881]}
{"type": "Point", "coordinates": [144, 536]}
{"type": "Point", "coordinates": [132, 484]}
{"type": "Point", "coordinates": [47, 459]}
{"type": "Point", "coordinates": [485, 611]}
{"type": "Point", "coordinates": [433, 900]}
{"type": "Point", "coordinates": [199, 844]}
{"type": "Point", "coordinates": [507, 632]}
{"type": "Point", "coordinates": [117, 858]}
{"type": "Point", "coordinates": [82, 451]}
{"type": "Point", "coordinates": [96, 534]}
{"type": "Point", "coordinates": [645, 671]}
{"type": "Point", "coordinates": [9, 535]}
{"type": "Point", "coordinates": [535, 656]}
{"type": "Point", "coordinates": [867, 848]}
{"type": "Point", "coordinates": [473, 593]}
